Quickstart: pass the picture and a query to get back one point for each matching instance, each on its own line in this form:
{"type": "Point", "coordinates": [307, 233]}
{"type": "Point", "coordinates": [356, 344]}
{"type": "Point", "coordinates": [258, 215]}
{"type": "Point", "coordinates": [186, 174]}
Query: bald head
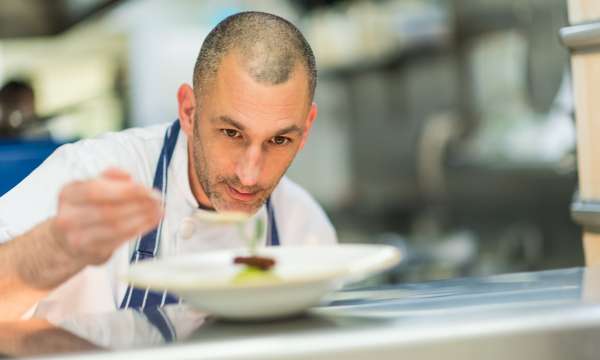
{"type": "Point", "coordinates": [268, 47]}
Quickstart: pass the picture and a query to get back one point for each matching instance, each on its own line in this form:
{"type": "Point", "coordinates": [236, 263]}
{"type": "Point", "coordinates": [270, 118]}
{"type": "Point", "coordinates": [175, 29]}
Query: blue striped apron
{"type": "Point", "coordinates": [147, 246]}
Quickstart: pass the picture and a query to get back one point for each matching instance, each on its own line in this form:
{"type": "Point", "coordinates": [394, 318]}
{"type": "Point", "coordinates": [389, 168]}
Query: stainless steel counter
{"type": "Point", "coordinates": [543, 315]}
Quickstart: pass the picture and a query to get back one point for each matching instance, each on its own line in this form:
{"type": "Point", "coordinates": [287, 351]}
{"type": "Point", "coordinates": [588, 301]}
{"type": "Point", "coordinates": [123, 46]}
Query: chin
{"type": "Point", "coordinates": [236, 206]}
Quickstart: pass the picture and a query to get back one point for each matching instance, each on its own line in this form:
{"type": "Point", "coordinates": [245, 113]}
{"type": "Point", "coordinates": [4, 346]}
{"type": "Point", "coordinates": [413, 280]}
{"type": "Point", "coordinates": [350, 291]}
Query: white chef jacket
{"type": "Point", "coordinates": [300, 220]}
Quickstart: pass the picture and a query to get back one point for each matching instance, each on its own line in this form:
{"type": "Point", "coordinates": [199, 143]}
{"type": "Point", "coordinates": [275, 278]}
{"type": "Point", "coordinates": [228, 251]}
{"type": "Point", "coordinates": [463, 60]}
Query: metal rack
{"type": "Point", "coordinates": [584, 37]}
{"type": "Point", "coordinates": [586, 213]}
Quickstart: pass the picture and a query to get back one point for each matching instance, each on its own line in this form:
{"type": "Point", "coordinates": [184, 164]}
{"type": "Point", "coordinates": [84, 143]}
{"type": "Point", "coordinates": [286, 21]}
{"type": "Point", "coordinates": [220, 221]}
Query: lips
{"type": "Point", "coordinates": [241, 196]}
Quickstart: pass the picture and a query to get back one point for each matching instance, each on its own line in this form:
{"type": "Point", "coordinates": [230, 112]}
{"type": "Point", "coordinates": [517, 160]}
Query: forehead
{"type": "Point", "coordinates": [235, 93]}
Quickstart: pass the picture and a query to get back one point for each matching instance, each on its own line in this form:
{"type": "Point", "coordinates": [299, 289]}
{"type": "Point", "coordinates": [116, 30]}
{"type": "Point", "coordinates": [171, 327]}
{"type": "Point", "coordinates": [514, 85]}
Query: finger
{"type": "Point", "coordinates": [104, 190]}
{"type": "Point", "coordinates": [108, 213]}
{"type": "Point", "coordinates": [102, 237]}
{"type": "Point", "coordinates": [115, 174]}
{"type": "Point", "coordinates": [97, 243]}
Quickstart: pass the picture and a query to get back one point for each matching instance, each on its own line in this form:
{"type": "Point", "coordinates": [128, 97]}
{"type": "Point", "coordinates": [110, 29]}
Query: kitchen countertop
{"type": "Point", "coordinates": [547, 315]}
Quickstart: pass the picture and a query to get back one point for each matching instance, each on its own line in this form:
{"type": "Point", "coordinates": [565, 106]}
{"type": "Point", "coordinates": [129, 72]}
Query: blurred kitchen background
{"type": "Point", "coordinates": [445, 126]}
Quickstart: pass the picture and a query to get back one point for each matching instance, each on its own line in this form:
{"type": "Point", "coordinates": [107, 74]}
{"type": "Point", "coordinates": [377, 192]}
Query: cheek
{"type": "Point", "coordinates": [277, 163]}
{"type": "Point", "coordinates": [222, 159]}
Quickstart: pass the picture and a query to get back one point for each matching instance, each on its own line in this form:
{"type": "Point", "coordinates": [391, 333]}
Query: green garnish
{"type": "Point", "coordinates": [253, 275]}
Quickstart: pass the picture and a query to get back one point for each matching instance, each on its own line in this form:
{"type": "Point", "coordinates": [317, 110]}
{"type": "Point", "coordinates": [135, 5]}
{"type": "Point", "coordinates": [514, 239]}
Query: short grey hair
{"type": "Point", "coordinates": [270, 47]}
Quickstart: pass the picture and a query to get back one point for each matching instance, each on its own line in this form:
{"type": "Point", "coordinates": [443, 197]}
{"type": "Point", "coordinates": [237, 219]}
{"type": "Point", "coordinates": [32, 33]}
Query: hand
{"type": "Point", "coordinates": [96, 216]}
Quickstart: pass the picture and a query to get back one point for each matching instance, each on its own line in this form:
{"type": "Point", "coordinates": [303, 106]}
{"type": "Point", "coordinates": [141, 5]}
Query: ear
{"type": "Point", "coordinates": [310, 119]}
{"type": "Point", "coordinates": [187, 108]}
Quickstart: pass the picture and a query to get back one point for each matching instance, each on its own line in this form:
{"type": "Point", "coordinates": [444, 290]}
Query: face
{"type": "Point", "coordinates": [243, 135]}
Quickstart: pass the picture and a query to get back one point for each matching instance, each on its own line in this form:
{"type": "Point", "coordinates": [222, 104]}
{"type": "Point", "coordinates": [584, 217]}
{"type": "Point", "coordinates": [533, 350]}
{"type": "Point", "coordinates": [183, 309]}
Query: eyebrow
{"type": "Point", "coordinates": [289, 129]}
{"type": "Point", "coordinates": [226, 119]}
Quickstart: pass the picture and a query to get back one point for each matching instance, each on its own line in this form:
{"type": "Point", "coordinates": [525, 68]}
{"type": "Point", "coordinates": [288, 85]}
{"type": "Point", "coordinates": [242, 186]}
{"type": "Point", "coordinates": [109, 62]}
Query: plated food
{"type": "Point", "coordinates": [255, 269]}
{"type": "Point", "coordinates": [300, 277]}
{"type": "Point", "coordinates": [247, 284]}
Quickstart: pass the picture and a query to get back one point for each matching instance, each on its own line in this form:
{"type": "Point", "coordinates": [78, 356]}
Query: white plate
{"type": "Point", "coordinates": [305, 275]}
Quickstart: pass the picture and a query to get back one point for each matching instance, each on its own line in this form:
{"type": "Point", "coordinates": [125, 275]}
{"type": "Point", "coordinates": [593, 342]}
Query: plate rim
{"type": "Point", "coordinates": [343, 274]}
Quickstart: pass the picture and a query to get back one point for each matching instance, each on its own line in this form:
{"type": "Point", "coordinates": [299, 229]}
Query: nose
{"type": "Point", "coordinates": [249, 166]}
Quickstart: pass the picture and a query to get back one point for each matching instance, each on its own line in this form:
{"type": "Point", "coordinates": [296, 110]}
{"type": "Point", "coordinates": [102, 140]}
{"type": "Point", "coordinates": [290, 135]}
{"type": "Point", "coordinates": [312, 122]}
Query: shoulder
{"type": "Point", "coordinates": [134, 150]}
{"type": "Point", "coordinates": [129, 139]}
{"type": "Point", "coordinates": [142, 134]}
{"type": "Point", "coordinates": [300, 215]}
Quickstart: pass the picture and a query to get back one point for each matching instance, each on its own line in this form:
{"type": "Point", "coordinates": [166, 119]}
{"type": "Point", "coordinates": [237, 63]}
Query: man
{"type": "Point", "coordinates": [67, 228]}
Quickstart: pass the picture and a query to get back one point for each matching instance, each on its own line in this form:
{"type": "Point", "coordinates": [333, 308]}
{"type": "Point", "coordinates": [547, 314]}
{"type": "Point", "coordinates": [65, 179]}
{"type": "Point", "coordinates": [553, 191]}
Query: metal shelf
{"type": "Point", "coordinates": [581, 36]}
{"type": "Point", "coordinates": [586, 213]}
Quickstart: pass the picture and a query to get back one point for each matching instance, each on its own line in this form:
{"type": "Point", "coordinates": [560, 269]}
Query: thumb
{"type": "Point", "coordinates": [114, 173]}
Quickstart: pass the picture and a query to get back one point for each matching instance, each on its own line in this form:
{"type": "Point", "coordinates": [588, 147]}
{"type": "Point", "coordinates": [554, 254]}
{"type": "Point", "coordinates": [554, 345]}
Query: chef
{"type": "Point", "coordinates": [94, 207]}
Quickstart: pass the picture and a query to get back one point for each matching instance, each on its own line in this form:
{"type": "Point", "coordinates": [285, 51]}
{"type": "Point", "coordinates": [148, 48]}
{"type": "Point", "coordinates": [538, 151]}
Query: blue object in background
{"type": "Point", "coordinates": [19, 157]}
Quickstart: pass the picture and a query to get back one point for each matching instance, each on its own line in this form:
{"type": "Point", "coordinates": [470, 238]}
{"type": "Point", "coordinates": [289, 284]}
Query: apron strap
{"type": "Point", "coordinates": [157, 317]}
{"type": "Point", "coordinates": [273, 233]}
{"type": "Point", "coordinates": [147, 246]}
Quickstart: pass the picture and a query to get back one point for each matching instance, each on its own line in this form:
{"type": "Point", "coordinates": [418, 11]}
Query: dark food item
{"type": "Point", "coordinates": [259, 262]}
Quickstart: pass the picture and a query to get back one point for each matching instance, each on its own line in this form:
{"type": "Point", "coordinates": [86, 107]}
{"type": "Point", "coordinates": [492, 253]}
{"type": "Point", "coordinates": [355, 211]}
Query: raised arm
{"type": "Point", "coordinates": [93, 219]}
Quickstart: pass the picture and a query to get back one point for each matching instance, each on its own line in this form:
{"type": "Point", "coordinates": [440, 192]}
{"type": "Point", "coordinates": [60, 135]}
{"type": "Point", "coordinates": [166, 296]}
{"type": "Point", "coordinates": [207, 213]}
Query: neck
{"type": "Point", "coordinates": [195, 186]}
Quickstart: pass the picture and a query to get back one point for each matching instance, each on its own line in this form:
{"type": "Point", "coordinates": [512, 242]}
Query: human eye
{"type": "Point", "coordinates": [280, 140]}
{"type": "Point", "coordinates": [232, 133]}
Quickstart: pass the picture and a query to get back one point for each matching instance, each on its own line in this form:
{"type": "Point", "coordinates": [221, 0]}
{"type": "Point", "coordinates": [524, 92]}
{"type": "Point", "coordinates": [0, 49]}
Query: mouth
{"type": "Point", "coordinates": [240, 195]}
